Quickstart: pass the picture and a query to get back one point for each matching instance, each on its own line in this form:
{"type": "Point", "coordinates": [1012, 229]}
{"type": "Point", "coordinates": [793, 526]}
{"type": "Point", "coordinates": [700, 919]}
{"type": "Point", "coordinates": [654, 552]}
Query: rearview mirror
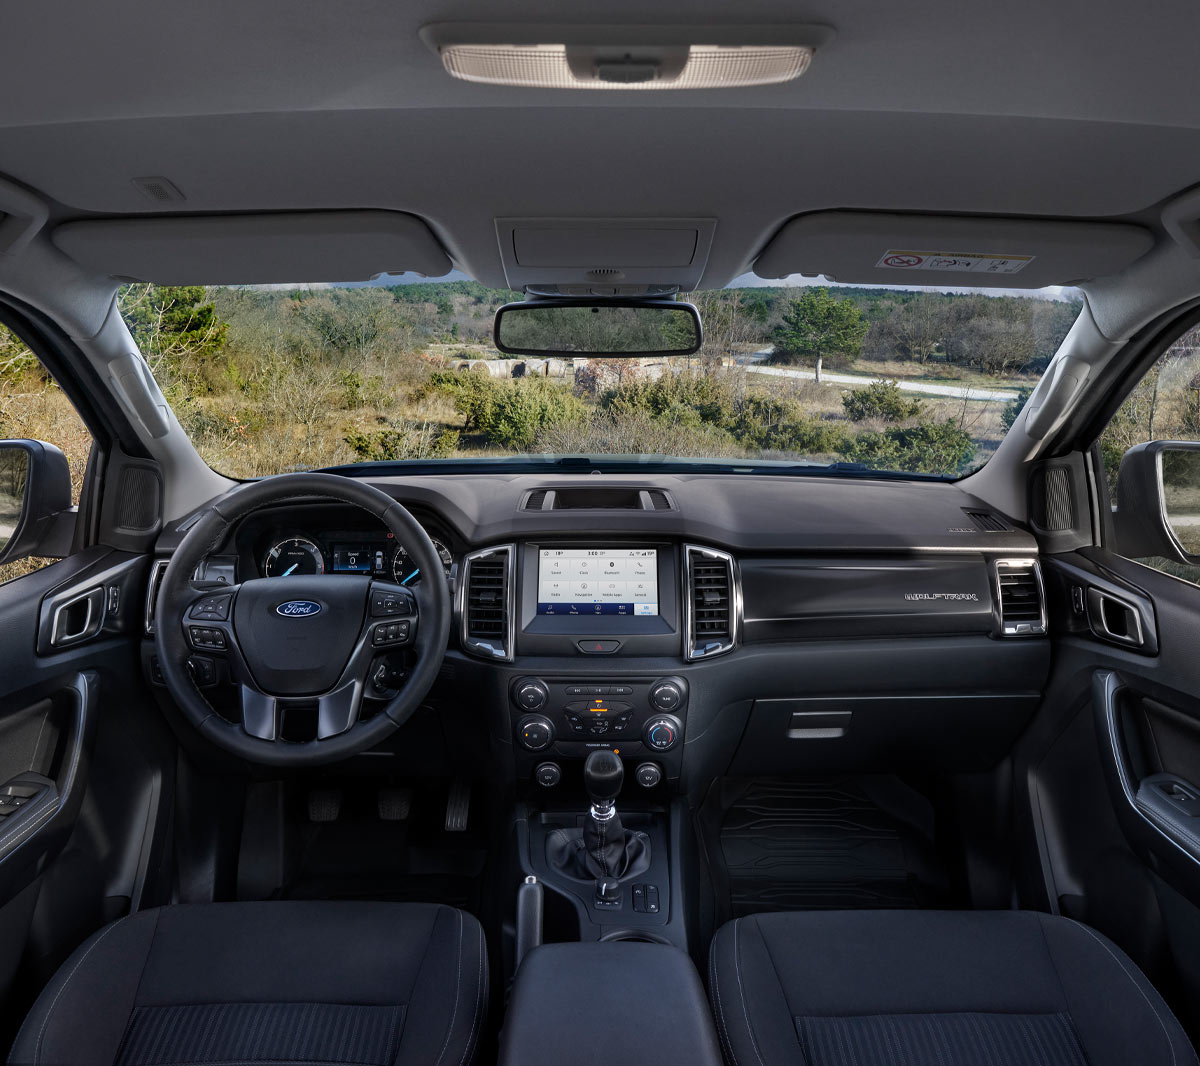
{"type": "Point", "coordinates": [35, 501]}
{"type": "Point", "coordinates": [1158, 501]}
{"type": "Point", "coordinates": [599, 329]}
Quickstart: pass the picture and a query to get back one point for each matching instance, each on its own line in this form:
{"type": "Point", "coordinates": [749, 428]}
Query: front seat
{"type": "Point", "coordinates": [359, 984]}
{"type": "Point", "coordinates": [915, 988]}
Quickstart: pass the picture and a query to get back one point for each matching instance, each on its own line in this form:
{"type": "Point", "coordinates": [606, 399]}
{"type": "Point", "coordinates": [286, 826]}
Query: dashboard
{"type": "Point", "coordinates": [709, 624]}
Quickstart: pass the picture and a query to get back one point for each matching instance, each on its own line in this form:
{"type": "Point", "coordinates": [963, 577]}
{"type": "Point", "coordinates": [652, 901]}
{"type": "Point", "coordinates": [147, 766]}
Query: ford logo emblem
{"type": "Point", "coordinates": [298, 609]}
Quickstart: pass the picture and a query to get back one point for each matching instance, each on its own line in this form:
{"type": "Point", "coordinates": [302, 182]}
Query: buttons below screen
{"type": "Point", "coordinates": [598, 647]}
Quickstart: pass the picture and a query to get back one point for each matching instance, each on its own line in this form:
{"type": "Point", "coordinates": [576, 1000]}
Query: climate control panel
{"type": "Point", "coordinates": [572, 716]}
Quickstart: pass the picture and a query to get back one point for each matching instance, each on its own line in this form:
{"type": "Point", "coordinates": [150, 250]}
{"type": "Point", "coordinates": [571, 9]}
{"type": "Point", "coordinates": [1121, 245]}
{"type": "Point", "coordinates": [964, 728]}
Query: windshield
{"type": "Point", "coordinates": [815, 376]}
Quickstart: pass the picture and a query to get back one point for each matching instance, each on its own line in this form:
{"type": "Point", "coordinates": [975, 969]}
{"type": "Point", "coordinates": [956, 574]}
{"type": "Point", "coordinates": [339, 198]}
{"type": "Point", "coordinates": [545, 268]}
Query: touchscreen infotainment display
{"type": "Point", "coordinates": [588, 581]}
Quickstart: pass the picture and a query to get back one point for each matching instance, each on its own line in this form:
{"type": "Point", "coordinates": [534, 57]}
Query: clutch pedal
{"type": "Point", "coordinates": [458, 806]}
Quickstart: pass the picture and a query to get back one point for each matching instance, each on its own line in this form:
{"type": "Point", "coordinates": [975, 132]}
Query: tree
{"type": "Point", "coordinates": [819, 324]}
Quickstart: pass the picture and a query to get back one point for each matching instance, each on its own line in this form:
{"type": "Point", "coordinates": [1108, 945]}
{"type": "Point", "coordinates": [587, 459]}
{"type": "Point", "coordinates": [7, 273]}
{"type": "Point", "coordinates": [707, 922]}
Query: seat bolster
{"type": "Point", "coordinates": [81, 1015]}
{"type": "Point", "coordinates": [448, 1009]}
{"type": "Point", "coordinates": [1118, 1015]}
{"type": "Point", "coordinates": [754, 1019]}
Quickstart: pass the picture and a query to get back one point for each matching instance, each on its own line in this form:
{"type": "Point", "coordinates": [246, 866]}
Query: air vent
{"type": "Point", "coordinates": [536, 500]}
{"type": "Point", "coordinates": [989, 522]}
{"type": "Point", "coordinates": [659, 500]}
{"type": "Point", "coordinates": [159, 189]}
{"type": "Point", "coordinates": [156, 575]}
{"type": "Point", "coordinates": [711, 621]}
{"type": "Point", "coordinates": [1021, 598]}
{"type": "Point", "coordinates": [487, 607]}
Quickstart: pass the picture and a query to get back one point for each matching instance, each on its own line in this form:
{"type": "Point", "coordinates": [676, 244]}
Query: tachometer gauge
{"type": "Point", "coordinates": [404, 572]}
{"type": "Point", "coordinates": [296, 555]}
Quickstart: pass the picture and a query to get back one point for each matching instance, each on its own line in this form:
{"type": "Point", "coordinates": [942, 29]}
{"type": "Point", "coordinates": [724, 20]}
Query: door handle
{"type": "Point", "coordinates": [78, 618]}
{"type": "Point", "coordinates": [1115, 619]}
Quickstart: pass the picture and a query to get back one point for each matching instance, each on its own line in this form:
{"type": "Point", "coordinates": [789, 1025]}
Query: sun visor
{"type": "Point", "coordinates": [300, 246]}
{"type": "Point", "coordinates": [865, 248]}
{"type": "Point", "coordinates": [604, 257]}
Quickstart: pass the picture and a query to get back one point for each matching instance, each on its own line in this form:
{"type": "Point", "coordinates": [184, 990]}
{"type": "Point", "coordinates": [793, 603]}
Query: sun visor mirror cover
{"type": "Point", "coordinates": [298, 246]}
{"type": "Point", "coordinates": [869, 248]}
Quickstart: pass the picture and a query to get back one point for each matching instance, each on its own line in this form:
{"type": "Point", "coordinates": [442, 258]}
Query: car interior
{"type": "Point", "coordinates": [597, 756]}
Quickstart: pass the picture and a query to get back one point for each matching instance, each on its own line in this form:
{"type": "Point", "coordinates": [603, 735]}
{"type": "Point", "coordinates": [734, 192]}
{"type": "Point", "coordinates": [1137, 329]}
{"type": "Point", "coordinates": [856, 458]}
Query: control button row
{"type": "Point", "coordinates": [598, 727]}
{"type": "Point", "coordinates": [598, 690]}
{"type": "Point", "coordinates": [645, 899]}
{"type": "Point", "coordinates": [385, 604]}
{"type": "Point", "coordinates": [598, 707]}
{"type": "Point", "coordinates": [207, 638]}
{"type": "Point", "coordinates": [390, 633]}
{"type": "Point", "coordinates": [211, 608]}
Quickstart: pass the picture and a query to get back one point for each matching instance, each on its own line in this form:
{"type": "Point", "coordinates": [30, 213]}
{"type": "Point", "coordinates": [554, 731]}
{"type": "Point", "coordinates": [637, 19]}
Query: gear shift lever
{"type": "Point", "coordinates": [603, 849]}
{"type": "Point", "coordinates": [603, 775]}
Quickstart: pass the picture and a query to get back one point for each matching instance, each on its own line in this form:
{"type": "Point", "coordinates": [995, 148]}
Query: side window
{"type": "Point", "coordinates": [33, 406]}
{"type": "Point", "coordinates": [1165, 405]}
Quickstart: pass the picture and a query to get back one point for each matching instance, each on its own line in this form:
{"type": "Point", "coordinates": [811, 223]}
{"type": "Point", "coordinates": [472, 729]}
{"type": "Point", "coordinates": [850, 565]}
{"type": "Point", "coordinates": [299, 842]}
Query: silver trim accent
{"type": "Point", "coordinates": [1019, 629]}
{"type": "Point", "coordinates": [715, 647]}
{"type": "Point", "coordinates": [157, 569]}
{"type": "Point", "coordinates": [475, 645]}
{"type": "Point", "coordinates": [92, 621]}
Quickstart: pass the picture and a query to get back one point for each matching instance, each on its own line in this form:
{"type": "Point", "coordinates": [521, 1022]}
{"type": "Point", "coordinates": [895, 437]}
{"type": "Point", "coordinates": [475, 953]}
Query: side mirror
{"type": "Point", "coordinates": [36, 517]}
{"type": "Point", "coordinates": [1158, 501]}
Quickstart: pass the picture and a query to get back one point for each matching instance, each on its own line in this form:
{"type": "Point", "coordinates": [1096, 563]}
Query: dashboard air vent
{"type": "Point", "coordinates": [713, 601]}
{"type": "Point", "coordinates": [989, 522]}
{"type": "Point", "coordinates": [659, 500]}
{"type": "Point", "coordinates": [575, 498]}
{"type": "Point", "coordinates": [487, 603]}
{"type": "Point", "coordinates": [536, 500]}
{"type": "Point", "coordinates": [1021, 597]}
{"type": "Point", "coordinates": [156, 575]}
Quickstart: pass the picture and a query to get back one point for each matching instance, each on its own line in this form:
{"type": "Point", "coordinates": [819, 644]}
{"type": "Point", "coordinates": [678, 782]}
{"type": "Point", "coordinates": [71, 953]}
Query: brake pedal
{"type": "Point", "coordinates": [458, 806]}
{"type": "Point", "coordinates": [394, 804]}
{"type": "Point", "coordinates": [324, 804]}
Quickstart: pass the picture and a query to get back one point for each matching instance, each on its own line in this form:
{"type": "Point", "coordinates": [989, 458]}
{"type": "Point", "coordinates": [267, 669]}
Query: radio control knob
{"type": "Point", "coordinates": [662, 733]}
{"type": "Point", "coordinates": [666, 696]}
{"type": "Point", "coordinates": [535, 732]}
{"type": "Point", "coordinates": [532, 695]}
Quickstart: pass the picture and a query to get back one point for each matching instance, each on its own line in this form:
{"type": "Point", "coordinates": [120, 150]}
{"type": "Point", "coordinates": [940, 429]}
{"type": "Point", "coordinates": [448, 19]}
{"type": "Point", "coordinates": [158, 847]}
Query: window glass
{"type": "Point", "coordinates": [922, 381]}
{"type": "Point", "coordinates": [1165, 405]}
{"type": "Point", "coordinates": [33, 406]}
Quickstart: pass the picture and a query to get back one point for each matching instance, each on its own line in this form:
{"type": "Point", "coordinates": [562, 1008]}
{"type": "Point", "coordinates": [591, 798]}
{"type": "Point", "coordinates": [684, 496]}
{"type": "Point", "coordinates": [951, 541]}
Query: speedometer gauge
{"type": "Point", "coordinates": [405, 572]}
{"type": "Point", "coordinates": [296, 555]}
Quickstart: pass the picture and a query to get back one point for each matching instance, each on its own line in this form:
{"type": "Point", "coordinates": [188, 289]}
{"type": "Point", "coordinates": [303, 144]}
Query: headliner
{"type": "Point", "coordinates": [1019, 108]}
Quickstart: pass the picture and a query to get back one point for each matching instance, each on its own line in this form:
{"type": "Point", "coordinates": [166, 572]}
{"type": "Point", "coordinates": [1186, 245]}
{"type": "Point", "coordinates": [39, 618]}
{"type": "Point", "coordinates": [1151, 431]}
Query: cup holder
{"type": "Point", "coordinates": [635, 936]}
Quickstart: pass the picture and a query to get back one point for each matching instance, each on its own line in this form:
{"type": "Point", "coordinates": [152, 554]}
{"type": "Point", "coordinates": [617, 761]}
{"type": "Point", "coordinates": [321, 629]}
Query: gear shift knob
{"type": "Point", "coordinates": [603, 775]}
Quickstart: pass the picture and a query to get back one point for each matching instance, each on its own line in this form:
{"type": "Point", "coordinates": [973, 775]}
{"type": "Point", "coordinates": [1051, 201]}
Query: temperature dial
{"type": "Point", "coordinates": [662, 733]}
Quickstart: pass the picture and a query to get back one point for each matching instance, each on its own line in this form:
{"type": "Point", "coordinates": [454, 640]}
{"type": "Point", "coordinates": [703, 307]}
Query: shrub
{"type": "Point", "coordinates": [927, 448]}
{"type": "Point", "coordinates": [521, 410]}
{"type": "Point", "coordinates": [1015, 406]}
{"type": "Point", "coordinates": [884, 400]}
{"type": "Point", "coordinates": [406, 440]}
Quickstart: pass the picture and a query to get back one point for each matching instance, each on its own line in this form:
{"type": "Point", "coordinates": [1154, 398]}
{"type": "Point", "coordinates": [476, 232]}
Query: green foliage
{"type": "Point", "coordinates": [685, 398]}
{"type": "Point", "coordinates": [818, 324]}
{"type": "Point", "coordinates": [1015, 406]}
{"type": "Point", "coordinates": [172, 320]}
{"type": "Point", "coordinates": [523, 409]}
{"type": "Point", "coordinates": [926, 448]}
{"type": "Point", "coordinates": [883, 400]}
{"type": "Point", "coordinates": [402, 441]}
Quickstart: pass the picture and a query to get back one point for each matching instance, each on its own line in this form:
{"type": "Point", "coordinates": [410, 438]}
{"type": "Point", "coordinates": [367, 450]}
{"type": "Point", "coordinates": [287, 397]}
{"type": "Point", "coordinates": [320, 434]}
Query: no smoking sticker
{"type": "Point", "coordinates": [954, 262]}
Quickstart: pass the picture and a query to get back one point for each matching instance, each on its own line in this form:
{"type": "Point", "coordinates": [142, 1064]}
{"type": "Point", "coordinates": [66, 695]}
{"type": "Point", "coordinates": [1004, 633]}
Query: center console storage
{"type": "Point", "coordinates": [628, 1003]}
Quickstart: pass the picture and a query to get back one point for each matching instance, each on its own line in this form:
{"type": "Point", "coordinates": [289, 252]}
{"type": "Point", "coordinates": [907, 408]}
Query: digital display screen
{"type": "Point", "coordinates": [355, 559]}
{"type": "Point", "coordinates": [598, 581]}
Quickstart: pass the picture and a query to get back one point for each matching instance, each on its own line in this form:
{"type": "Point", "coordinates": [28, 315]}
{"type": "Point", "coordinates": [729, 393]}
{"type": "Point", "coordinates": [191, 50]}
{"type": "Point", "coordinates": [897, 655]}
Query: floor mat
{"type": "Point", "coordinates": [830, 844]}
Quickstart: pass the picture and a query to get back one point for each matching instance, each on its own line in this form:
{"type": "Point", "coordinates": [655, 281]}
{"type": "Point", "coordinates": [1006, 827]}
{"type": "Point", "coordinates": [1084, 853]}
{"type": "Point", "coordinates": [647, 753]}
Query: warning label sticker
{"type": "Point", "coordinates": [957, 262]}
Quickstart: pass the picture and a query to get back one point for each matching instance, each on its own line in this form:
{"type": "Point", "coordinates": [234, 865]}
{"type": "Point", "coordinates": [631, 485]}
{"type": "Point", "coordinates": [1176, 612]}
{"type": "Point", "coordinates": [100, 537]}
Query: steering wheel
{"type": "Point", "coordinates": [301, 641]}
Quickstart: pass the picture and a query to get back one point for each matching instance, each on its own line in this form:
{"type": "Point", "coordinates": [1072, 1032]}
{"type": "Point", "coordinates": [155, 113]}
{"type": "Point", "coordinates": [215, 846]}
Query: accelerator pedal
{"type": "Point", "coordinates": [458, 806]}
